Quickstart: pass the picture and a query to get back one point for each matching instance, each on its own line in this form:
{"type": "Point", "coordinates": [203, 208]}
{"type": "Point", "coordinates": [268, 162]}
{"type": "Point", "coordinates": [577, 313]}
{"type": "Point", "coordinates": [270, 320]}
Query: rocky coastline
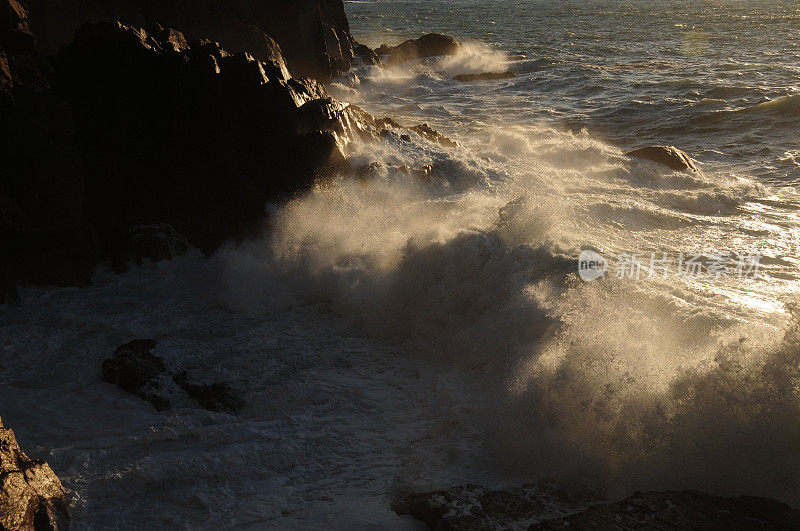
{"type": "Point", "coordinates": [137, 129]}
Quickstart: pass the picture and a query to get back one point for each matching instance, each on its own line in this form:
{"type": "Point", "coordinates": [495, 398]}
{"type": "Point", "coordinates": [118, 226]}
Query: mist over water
{"type": "Point", "coordinates": [394, 333]}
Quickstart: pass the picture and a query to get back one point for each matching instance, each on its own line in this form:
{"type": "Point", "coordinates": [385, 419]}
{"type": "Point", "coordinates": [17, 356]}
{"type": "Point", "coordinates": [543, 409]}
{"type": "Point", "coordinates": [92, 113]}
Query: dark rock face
{"type": "Point", "coordinates": [669, 156]}
{"type": "Point", "coordinates": [486, 76]}
{"type": "Point", "coordinates": [682, 510]}
{"type": "Point", "coordinates": [188, 136]}
{"type": "Point", "coordinates": [31, 496]}
{"type": "Point", "coordinates": [429, 45]}
{"type": "Point", "coordinates": [136, 370]}
{"type": "Point", "coordinates": [41, 182]}
{"type": "Point", "coordinates": [313, 35]}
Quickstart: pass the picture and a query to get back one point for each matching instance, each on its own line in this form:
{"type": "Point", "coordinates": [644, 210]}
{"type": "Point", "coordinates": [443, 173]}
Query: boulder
{"type": "Point", "coordinates": [31, 496]}
{"type": "Point", "coordinates": [430, 45]}
{"type": "Point", "coordinates": [486, 76]}
{"type": "Point", "coordinates": [682, 510]}
{"type": "Point", "coordinates": [135, 370]}
{"type": "Point", "coordinates": [669, 156]}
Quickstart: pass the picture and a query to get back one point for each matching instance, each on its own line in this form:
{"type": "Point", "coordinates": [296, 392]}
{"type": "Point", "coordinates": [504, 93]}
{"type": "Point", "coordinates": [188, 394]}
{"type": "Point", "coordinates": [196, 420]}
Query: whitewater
{"type": "Point", "coordinates": [395, 334]}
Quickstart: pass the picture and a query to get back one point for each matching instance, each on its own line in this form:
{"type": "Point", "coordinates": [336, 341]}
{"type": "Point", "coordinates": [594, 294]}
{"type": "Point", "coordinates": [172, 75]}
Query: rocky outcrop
{"type": "Point", "coordinates": [472, 507]}
{"type": "Point", "coordinates": [135, 369]}
{"type": "Point", "coordinates": [430, 45]}
{"type": "Point", "coordinates": [31, 496]}
{"type": "Point", "coordinates": [682, 510]}
{"type": "Point", "coordinates": [313, 35]}
{"type": "Point", "coordinates": [188, 136]}
{"type": "Point", "coordinates": [548, 507]}
{"type": "Point", "coordinates": [669, 156]}
{"type": "Point", "coordinates": [486, 76]}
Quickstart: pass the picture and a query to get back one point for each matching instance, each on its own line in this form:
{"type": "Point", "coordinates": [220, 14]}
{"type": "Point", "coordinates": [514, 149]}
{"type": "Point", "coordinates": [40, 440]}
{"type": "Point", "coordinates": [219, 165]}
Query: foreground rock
{"type": "Point", "coordinates": [430, 45]}
{"type": "Point", "coordinates": [682, 510]}
{"type": "Point", "coordinates": [669, 156]}
{"type": "Point", "coordinates": [31, 496]}
{"type": "Point", "coordinates": [472, 507]}
{"type": "Point", "coordinates": [136, 370]}
{"type": "Point", "coordinates": [548, 507]}
{"type": "Point", "coordinates": [486, 76]}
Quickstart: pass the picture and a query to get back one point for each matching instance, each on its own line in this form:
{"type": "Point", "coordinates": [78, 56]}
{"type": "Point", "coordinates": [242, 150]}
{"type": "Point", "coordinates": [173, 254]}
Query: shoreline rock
{"type": "Point", "coordinates": [547, 507]}
{"type": "Point", "coordinates": [429, 45]}
{"type": "Point", "coordinates": [669, 156]}
{"type": "Point", "coordinates": [31, 495]}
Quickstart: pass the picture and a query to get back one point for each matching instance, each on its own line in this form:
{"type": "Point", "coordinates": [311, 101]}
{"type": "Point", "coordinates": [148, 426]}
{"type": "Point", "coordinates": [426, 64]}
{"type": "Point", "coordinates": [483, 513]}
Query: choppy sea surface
{"type": "Point", "coordinates": [402, 334]}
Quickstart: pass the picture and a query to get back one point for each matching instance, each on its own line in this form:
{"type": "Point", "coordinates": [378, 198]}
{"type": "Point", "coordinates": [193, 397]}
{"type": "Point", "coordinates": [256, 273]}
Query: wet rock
{"type": "Point", "coordinates": [669, 156]}
{"type": "Point", "coordinates": [472, 507]}
{"type": "Point", "coordinates": [430, 45]}
{"type": "Point", "coordinates": [135, 370]}
{"type": "Point", "coordinates": [486, 76]}
{"type": "Point", "coordinates": [429, 133]}
{"type": "Point", "coordinates": [682, 510]}
{"type": "Point", "coordinates": [31, 496]}
{"type": "Point", "coordinates": [213, 397]}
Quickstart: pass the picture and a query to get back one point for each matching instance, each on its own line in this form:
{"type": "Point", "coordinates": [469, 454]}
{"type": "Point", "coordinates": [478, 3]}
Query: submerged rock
{"type": "Point", "coordinates": [31, 495]}
{"type": "Point", "coordinates": [486, 76]}
{"type": "Point", "coordinates": [682, 510]}
{"type": "Point", "coordinates": [430, 45]}
{"type": "Point", "coordinates": [669, 156]}
{"type": "Point", "coordinates": [213, 397]}
{"type": "Point", "coordinates": [135, 370]}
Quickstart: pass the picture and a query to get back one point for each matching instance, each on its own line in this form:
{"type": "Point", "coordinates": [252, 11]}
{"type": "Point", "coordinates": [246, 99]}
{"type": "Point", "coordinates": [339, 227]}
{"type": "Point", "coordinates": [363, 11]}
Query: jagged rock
{"type": "Point", "coordinates": [213, 397]}
{"type": "Point", "coordinates": [430, 45]}
{"type": "Point", "coordinates": [366, 55]}
{"type": "Point", "coordinates": [426, 131]}
{"type": "Point", "coordinates": [473, 508]}
{"type": "Point", "coordinates": [190, 136]}
{"type": "Point", "coordinates": [31, 496]}
{"type": "Point", "coordinates": [682, 510]}
{"type": "Point", "coordinates": [486, 76]}
{"type": "Point", "coordinates": [312, 35]}
{"type": "Point", "coordinates": [669, 156]}
{"type": "Point", "coordinates": [135, 370]}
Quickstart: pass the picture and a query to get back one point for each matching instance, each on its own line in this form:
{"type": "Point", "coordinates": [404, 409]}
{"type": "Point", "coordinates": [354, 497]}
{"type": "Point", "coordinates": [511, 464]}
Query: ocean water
{"type": "Point", "coordinates": [399, 334]}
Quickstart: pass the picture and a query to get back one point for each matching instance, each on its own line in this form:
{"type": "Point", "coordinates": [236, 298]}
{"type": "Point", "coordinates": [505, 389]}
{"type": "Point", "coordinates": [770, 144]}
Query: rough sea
{"type": "Point", "coordinates": [399, 334]}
